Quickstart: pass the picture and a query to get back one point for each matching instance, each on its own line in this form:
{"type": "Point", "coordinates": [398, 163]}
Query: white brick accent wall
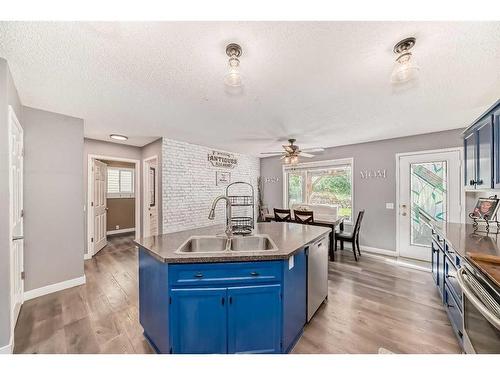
{"type": "Point", "coordinates": [189, 184]}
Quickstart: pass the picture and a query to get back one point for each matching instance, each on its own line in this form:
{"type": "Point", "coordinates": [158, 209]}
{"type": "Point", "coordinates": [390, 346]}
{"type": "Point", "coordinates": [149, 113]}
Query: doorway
{"type": "Point", "coordinates": [16, 213]}
{"type": "Point", "coordinates": [113, 200]}
{"type": "Point", "coordinates": [150, 183]}
{"type": "Point", "coordinates": [429, 185]}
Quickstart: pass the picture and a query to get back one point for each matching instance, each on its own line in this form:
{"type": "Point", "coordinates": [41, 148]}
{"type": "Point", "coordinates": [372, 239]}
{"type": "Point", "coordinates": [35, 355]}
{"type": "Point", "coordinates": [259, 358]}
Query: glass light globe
{"type": "Point", "coordinates": [233, 77]}
{"type": "Point", "coordinates": [405, 69]}
{"type": "Point", "coordinates": [286, 160]}
{"type": "Point", "coordinates": [294, 159]}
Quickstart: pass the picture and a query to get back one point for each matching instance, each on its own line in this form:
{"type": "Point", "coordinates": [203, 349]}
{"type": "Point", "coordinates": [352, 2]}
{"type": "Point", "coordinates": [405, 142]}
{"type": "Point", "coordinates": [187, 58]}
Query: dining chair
{"type": "Point", "coordinates": [303, 216]}
{"type": "Point", "coordinates": [282, 214]}
{"type": "Point", "coordinates": [352, 237]}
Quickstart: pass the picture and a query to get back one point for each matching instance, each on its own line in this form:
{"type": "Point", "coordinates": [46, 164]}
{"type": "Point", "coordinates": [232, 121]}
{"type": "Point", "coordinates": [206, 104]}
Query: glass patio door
{"type": "Point", "coordinates": [429, 187]}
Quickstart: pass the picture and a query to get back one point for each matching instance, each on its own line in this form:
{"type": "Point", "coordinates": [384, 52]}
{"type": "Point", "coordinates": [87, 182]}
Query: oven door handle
{"type": "Point", "coordinates": [495, 321]}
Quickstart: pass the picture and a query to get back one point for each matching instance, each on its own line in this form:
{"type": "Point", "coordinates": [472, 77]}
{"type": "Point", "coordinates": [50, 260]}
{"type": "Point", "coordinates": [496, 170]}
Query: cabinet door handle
{"type": "Point", "coordinates": [479, 182]}
{"type": "Point", "coordinates": [222, 301]}
{"type": "Point", "coordinates": [450, 276]}
{"type": "Point", "coordinates": [198, 275]}
{"type": "Point", "coordinates": [471, 182]}
{"type": "Point", "coordinates": [254, 273]}
{"type": "Point", "coordinates": [230, 300]}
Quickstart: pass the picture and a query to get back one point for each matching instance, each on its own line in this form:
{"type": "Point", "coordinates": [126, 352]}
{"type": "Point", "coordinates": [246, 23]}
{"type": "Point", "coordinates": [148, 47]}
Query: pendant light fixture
{"type": "Point", "coordinates": [406, 69]}
{"type": "Point", "coordinates": [233, 77]}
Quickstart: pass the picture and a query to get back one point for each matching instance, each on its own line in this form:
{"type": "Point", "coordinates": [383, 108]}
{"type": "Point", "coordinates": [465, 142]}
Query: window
{"type": "Point", "coordinates": [328, 183]}
{"type": "Point", "coordinates": [120, 183]}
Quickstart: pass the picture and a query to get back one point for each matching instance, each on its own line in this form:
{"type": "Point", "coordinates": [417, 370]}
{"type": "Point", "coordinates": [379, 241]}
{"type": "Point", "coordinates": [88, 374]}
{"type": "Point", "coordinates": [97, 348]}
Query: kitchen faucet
{"type": "Point", "coordinates": [211, 215]}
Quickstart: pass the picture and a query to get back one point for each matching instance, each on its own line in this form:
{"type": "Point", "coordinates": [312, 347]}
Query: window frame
{"type": "Point", "coordinates": [324, 164]}
{"type": "Point", "coordinates": [120, 194]}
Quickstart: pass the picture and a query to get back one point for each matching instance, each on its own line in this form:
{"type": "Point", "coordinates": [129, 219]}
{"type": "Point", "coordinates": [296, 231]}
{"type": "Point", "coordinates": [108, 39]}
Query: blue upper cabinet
{"type": "Point", "coordinates": [496, 143]}
{"type": "Point", "coordinates": [254, 319]}
{"type": "Point", "coordinates": [484, 178]}
{"type": "Point", "coordinates": [470, 151]}
{"type": "Point", "coordinates": [481, 152]}
{"type": "Point", "coordinates": [198, 320]}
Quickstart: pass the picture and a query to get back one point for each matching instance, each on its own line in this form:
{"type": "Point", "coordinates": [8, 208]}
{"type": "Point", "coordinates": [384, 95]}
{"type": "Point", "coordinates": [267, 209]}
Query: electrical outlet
{"type": "Point", "coordinates": [389, 206]}
{"type": "Point", "coordinates": [117, 227]}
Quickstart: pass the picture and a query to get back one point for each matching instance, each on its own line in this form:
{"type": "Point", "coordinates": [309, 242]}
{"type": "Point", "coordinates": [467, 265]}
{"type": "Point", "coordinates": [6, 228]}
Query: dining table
{"type": "Point", "coordinates": [329, 221]}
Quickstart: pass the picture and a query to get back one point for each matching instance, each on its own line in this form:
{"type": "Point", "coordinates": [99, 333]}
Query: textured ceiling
{"type": "Point", "coordinates": [326, 83]}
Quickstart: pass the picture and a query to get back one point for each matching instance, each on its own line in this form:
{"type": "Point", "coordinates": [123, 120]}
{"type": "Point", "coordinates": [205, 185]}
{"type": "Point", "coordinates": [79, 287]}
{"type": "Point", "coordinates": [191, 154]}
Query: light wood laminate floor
{"type": "Point", "coordinates": [371, 305]}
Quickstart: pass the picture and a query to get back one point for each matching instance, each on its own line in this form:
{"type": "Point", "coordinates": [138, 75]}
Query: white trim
{"type": "Point", "coordinates": [145, 201]}
{"type": "Point", "coordinates": [87, 256]}
{"type": "Point", "coordinates": [34, 293]}
{"type": "Point", "coordinates": [9, 348]}
{"type": "Point", "coordinates": [13, 121]}
{"type": "Point", "coordinates": [118, 231]}
{"type": "Point", "coordinates": [412, 153]}
{"type": "Point", "coordinates": [321, 163]}
{"type": "Point", "coordinates": [90, 210]}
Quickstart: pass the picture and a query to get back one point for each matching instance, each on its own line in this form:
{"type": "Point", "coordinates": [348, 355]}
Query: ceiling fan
{"type": "Point", "coordinates": [291, 152]}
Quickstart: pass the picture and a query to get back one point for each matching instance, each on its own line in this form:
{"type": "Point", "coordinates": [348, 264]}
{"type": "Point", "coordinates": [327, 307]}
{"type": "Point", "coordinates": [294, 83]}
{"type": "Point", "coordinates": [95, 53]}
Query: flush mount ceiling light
{"type": "Point", "coordinates": [233, 77]}
{"type": "Point", "coordinates": [406, 69]}
{"type": "Point", "coordinates": [118, 137]}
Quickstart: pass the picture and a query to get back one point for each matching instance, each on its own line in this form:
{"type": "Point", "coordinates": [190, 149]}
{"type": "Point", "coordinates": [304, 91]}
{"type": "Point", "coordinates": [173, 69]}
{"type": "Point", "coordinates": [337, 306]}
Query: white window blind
{"type": "Point", "coordinates": [120, 183]}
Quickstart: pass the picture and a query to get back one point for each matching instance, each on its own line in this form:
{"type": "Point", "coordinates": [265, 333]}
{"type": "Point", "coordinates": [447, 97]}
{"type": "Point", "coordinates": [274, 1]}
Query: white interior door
{"type": "Point", "coordinates": [151, 197]}
{"type": "Point", "coordinates": [16, 156]}
{"type": "Point", "coordinates": [429, 184]}
{"type": "Point", "coordinates": [100, 209]}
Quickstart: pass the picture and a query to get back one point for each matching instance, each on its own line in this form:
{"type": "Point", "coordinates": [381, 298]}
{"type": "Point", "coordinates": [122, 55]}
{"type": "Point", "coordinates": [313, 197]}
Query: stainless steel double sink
{"type": "Point", "coordinates": [216, 244]}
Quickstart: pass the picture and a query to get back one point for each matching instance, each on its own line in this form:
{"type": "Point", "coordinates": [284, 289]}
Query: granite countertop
{"type": "Point", "coordinates": [288, 238]}
{"type": "Point", "coordinates": [479, 248]}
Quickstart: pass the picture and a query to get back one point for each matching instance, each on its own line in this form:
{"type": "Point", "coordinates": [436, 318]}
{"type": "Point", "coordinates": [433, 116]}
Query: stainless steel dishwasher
{"type": "Point", "coordinates": [317, 275]}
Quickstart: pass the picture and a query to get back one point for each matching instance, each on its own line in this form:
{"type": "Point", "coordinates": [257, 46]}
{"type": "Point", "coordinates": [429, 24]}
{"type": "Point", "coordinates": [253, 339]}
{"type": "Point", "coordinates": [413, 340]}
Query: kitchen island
{"type": "Point", "coordinates": [229, 300]}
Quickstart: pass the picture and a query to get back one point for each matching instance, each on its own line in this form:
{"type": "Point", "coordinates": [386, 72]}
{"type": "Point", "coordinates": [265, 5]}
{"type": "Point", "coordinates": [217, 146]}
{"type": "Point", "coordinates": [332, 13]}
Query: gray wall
{"type": "Point", "coordinates": [53, 197]}
{"type": "Point", "coordinates": [379, 223]}
{"type": "Point", "coordinates": [8, 96]}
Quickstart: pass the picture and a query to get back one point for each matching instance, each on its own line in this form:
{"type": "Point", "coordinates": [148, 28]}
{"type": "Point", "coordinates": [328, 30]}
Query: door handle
{"type": "Point", "coordinates": [17, 238]}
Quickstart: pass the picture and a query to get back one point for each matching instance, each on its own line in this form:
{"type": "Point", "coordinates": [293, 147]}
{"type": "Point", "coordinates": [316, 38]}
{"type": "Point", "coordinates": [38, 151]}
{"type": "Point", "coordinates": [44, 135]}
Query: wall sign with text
{"type": "Point", "coordinates": [373, 173]}
{"type": "Point", "coordinates": [222, 159]}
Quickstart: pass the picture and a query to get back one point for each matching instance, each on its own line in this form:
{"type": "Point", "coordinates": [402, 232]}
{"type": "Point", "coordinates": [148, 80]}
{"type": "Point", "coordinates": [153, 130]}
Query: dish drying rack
{"type": "Point", "coordinates": [242, 198]}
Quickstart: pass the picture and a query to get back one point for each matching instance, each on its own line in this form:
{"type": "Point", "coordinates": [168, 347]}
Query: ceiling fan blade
{"type": "Point", "coordinates": [288, 148]}
{"type": "Point", "coordinates": [313, 149]}
{"type": "Point", "coordinates": [306, 155]}
{"type": "Point", "coordinates": [284, 156]}
{"type": "Point", "coordinates": [272, 153]}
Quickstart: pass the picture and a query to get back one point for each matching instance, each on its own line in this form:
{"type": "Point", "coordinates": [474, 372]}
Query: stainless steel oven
{"type": "Point", "coordinates": [481, 303]}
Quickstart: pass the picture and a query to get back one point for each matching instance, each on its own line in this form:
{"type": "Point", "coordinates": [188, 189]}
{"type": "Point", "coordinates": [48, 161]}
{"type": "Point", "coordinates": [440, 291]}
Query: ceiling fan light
{"type": "Point", "coordinates": [286, 160]}
{"type": "Point", "coordinates": [294, 159]}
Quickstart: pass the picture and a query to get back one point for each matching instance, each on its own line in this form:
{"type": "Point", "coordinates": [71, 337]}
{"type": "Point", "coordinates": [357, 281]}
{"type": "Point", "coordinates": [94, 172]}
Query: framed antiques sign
{"type": "Point", "coordinates": [222, 178]}
{"type": "Point", "coordinates": [222, 159]}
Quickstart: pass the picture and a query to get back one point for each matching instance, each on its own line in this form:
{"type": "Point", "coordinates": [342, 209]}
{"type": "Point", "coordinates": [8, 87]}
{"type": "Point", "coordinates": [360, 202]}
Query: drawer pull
{"type": "Point", "coordinates": [198, 275]}
{"type": "Point", "coordinates": [254, 273]}
{"type": "Point", "coordinates": [447, 276]}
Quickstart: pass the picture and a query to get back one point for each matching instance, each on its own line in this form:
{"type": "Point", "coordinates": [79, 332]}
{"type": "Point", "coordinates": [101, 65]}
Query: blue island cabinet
{"type": "Point", "coordinates": [233, 307]}
{"type": "Point", "coordinates": [200, 317]}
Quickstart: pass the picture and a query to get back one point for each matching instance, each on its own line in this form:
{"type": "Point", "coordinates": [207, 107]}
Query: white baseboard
{"type": "Point", "coordinates": [374, 250]}
{"type": "Point", "coordinates": [30, 294]}
{"type": "Point", "coordinates": [119, 231]}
